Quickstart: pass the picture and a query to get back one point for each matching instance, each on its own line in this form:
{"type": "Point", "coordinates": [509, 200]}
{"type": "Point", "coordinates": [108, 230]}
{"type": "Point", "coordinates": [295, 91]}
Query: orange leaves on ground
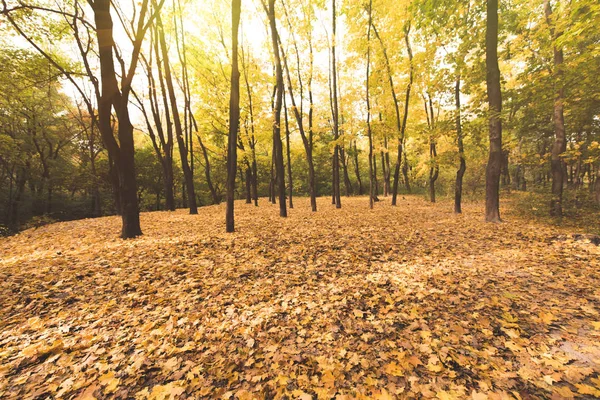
{"type": "Point", "coordinates": [401, 302]}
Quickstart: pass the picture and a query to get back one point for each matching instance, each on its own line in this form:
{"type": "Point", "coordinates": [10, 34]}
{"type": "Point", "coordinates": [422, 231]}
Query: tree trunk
{"type": "Point", "coordinates": [288, 155]}
{"type": "Point", "coordinates": [357, 169]}
{"type": "Point", "coordinates": [401, 126]}
{"type": "Point", "coordinates": [461, 151]}
{"type": "Point", "coordinates": [277, 145]}
{"type": "Point", "coordinates": [183, 151]}
{"type": "Point", "coordinates": [336, 132]}
{"type": "Point", "coordinates": [123, 151]}
{"type": "Point", "coordinates": [347, 183]}
{"type": "Point", "coordinates": [494, 165]}
{"type": "Point", "coordinates": [405, 168]}
{"type": "Point", "coordinates": [369, 132]}
{"type": "Point", "coordinates": [234, 116]}
{"type": "Point", "coordinates": [560, 144]}
{"type": "Point", "coordinates": [248, 185]}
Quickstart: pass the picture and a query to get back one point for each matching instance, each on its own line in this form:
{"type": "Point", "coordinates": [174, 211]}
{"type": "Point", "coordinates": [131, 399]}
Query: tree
{"type": "Point", "coordinates": [335, 113]}
{"type": "Point", "coordinates": [234, 115]}
{"type": "Point", "coordinates": [560, 144]}
{"type": "Point", "coordinates": [277, 145]}
{"type": "Point", "coordinates": [369, 132]}
{"type": "Point", "coordinates": [494, 165]}
{"type": "Point", "coordinates": [183, 150]}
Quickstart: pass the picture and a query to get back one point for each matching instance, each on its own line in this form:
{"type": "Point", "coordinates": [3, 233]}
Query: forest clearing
{"type": "Point", "coordinates": [411, 301]}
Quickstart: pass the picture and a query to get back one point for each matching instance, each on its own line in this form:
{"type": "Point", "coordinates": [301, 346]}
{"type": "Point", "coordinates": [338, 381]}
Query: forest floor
{"type": "Point", "coordinates": [398, 302]}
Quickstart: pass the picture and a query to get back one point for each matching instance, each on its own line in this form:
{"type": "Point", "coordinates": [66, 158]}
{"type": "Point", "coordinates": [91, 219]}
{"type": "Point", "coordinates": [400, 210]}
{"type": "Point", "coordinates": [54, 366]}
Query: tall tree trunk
{"type": "Point", "coordinates": [336, 132]}
{"type": "Point", "coordinates": [167, 143]}
{"type": "Point", "coordinates": [560, 143]}
{"type": "Point", "coordinates": [369, 132]}
{"type": "Point", "coordinates": [494, 165]}
{"type": "Point", "coordinates": [248, 185]}
{"type": "Point", "coordinates": [277, 145]}
{"type": "Point", "coordinates": [234, 116]}
{"type": "Point", "coordinates": [183, 151]}
{"type": "Point", "coordinates": [252, 141]}
{"type": "Point", "coordinates": [461, 151]}
{"type": "Point", "coordinates": [357, 168]}
{"type": "Point", "coordinates": [123, 151]}
{"type": "Point", "coordinates": [405, 168]}
{"type": "Point", "coordinates": [288, 155]}
{"type": "Point", "coordinates": [434, 167]}
{"type": "Point", "coordinates": [347, 183]}
{"type": "Point", "coordinates": [307, 139]}
{"type": "Point", "coordinates": [400, 126]}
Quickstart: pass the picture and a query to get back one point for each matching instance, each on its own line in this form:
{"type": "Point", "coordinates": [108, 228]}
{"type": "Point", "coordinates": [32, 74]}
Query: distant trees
{"type": "Point", "coordinates": [75, 140]}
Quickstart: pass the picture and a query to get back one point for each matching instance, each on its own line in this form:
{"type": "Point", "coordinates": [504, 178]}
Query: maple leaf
{"type": "Point", "coordinates": [393, 369]}
{"type": "Point", "coordinates": [169, 391]}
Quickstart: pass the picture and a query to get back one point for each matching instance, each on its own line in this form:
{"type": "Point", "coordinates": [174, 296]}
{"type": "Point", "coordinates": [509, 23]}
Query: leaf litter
{"type": "Point", "coordinates": [396, 302]}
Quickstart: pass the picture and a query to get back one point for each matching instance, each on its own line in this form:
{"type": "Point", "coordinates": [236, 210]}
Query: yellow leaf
{"type": "Point", "coordinates": [596, 325]}
{"type": "Point", "coordinates": [393, 369]}
{"type": "Point", "coordinates": [564, 392]}
{"type": "Point", "coordinates": [168, 391]}
{"type": "Point", "coordinates": [88, 393]}
{"type": "Point", "coordinates": [478, 396]}
{"type": "Point", "coordinates": [328, 379]}
{"type": "Point", "coordinates": [546, 318]}
{"type": "Point", "coordinates": [587, 389]}
{"type": "Point", "coordinates": [358, 313]}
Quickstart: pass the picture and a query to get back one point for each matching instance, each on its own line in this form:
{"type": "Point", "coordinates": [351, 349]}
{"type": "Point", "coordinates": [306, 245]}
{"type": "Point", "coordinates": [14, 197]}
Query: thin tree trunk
{"type": "Point", "coordinates": [183, 151]}
{"type": "Point", "coordinates": [288, 155]}
{"type": "Point", "coordinates": [401, 126]}
{"type": "Point", "coordinates": [357, 168]}
{"type": "Point", "coordinates": [405, 168]}
{"type": "Point", "coordinates": [494, 165]}
{"type": "Point", "coordinates": [234, 116]}
{"type": "Point", "coordinates": [336, 133]}
{"type": "Point", "coordinates": [461, 151]}
{"type": "Point", "coordinates": [560, 144]}
{"type": "Point", "coordinates": [369, 133]}
{"type": "Point", "coordinates": [277, 145]}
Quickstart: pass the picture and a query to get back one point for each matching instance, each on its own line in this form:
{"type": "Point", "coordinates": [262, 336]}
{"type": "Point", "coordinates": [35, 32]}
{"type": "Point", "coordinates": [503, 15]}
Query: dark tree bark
{"type": "Point", "coordinates": [434, 168]}
{"type": "Point", "coordinates": [369, 133]}
{"type": "Point", "coordinates": [357, 168]}
{"type": "Point", "coordinates": [252, 140]}
{"type": "Point", "coordinates": [234, 116]}
{"type": "Point", "coordinates": [494, 165]}
{"type": "Point", "coordinates": [248, 185]}
{"type": "Point", "coordinates": [111, 96]}
{"type": "Point", "coordinates": [336, 132]}
{"type": "Point", "coordinates": [277, 145]}
{"type": "Point", "coordinates": [405, 168]}
{"type": "Point", "coordinates": [307, 139]}
{"type": "Point", "coordinates": [183, 151]}
{"type": "Point", "coordinates": [344, 159]}
{"type": "Point", "coordinates": [560, 144]}
{"type": "Point", "coordinates": [461, 151]}
{"type": "Point", "coordinates": [288, 154]}
{"type": "Point", "coordinates": [400, 124]}
{"type": "Point", "coordinates": [167, 142]}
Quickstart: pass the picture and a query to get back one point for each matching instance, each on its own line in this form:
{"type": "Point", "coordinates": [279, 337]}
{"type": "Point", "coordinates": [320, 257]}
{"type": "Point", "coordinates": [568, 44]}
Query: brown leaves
{"type": "Point", "coordinates": [405, 302]}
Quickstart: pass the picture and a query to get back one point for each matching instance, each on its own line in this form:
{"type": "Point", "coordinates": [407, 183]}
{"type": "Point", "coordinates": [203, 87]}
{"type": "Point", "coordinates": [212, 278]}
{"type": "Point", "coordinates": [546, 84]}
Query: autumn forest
{"type": "Point", "coordinates": [299, 199]}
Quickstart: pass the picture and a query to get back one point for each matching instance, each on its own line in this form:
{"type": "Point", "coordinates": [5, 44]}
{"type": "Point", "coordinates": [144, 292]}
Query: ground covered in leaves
{"type": "Point", "coordinates": [404, 302]}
